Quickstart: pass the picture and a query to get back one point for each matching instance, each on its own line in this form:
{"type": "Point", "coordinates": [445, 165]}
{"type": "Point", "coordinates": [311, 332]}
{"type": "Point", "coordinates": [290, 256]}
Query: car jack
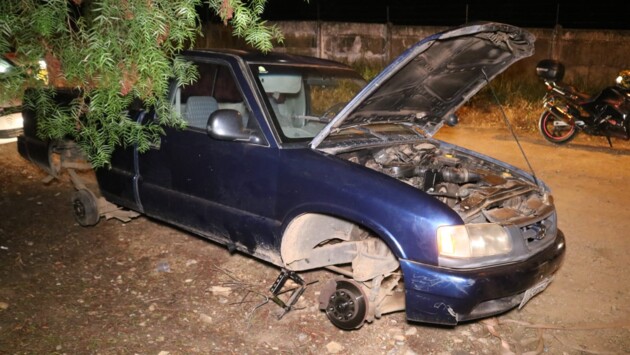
{"type": "Point", "coordinates": [276, 290]}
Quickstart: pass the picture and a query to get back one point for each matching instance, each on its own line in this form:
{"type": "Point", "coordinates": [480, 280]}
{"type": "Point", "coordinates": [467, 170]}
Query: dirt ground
{"type": "Point", "coordinates": [147, 288]}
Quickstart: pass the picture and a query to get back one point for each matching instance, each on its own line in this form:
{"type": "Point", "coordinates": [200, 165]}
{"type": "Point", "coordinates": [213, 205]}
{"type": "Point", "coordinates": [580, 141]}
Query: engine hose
{"type": "Point", "coordinates": [459, 175]}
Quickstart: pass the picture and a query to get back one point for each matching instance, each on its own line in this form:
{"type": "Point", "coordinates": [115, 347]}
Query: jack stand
{"type": "Point", "coordinates": [609, 141]}
{"type": "Point", "coordinates": [295, 294]}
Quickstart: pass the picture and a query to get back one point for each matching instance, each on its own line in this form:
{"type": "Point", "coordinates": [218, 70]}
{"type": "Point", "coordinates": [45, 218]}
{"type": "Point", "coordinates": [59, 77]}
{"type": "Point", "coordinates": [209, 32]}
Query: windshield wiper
{"type": "Point", "coordinates": [312, 118]}
{"type": "Point", "coordinates": [361, 128]}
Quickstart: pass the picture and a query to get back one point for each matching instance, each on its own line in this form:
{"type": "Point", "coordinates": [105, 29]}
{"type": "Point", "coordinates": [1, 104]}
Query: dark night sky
{"type": "Point", "coordinates": [595, 14]}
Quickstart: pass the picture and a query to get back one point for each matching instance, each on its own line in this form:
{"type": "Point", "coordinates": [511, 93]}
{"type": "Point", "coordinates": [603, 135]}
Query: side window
{"type": "Point", "coordinates": [215, 89]}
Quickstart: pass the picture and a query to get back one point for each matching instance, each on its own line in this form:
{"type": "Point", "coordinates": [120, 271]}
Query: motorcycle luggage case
{"type": "Point", "coordinates": [550, 69]}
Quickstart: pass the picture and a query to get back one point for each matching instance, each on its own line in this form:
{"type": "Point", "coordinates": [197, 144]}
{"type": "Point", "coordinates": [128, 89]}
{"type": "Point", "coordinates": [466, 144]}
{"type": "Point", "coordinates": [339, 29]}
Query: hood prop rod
{"type": "Point", "coordinates": [509, 125]}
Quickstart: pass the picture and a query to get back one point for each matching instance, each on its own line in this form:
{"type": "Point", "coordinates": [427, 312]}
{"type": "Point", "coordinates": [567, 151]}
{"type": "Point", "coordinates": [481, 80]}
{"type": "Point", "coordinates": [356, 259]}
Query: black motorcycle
{"type": "Point", "coordinates": [568, 111]}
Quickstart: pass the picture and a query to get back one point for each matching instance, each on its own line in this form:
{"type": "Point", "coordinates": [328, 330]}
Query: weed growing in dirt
{"type": "Point", "coordinates": [520, 97]}
{"type": "Point", "coordinates": [521, 100]}
{"type": "Point", "coordinates": [367, 69]}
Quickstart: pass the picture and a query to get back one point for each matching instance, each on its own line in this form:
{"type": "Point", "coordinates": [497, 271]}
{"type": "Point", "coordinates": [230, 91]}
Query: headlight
{"type": "Point", "coordinates": [473, 240]}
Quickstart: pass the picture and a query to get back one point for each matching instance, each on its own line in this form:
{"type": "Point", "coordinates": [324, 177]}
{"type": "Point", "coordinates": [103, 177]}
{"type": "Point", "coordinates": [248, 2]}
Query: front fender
{"type": "Point", "coordinates": [404, 217]}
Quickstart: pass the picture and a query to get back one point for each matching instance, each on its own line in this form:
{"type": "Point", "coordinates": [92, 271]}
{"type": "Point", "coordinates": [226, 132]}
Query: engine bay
{"type": "Point", "coordinates": [478, 190]}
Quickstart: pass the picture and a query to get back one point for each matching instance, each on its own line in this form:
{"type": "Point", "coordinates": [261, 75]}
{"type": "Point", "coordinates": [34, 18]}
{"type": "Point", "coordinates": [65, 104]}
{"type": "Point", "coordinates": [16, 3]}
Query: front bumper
{"type": "Point", "coordinates": [448, 296]}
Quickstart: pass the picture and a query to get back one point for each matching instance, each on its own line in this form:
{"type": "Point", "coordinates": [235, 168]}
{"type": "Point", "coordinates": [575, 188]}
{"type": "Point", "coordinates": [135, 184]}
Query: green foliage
{"type": "Point", "coordinates": [246, 22]}
{"type": "Point", "coordinates": [368, 70]}
{"type": "Point", "coordinates": [112, 53]}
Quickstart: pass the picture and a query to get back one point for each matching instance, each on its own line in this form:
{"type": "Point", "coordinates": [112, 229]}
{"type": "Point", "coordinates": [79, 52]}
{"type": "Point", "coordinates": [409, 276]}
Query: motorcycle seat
{"type": "Point", "coordinates": [582, 97]}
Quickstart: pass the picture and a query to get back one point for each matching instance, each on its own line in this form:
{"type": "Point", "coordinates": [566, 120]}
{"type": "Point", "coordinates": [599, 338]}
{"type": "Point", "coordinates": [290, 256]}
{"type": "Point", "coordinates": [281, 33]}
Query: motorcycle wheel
{"type": "Point", "coordinates": [556, 130]}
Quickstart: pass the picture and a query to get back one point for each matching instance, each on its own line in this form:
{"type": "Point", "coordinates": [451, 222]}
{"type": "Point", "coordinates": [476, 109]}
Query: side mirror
{"type": "Point", "coordinates": [228, 125]}
{"type": "Point", "coordinates": [451, 120]}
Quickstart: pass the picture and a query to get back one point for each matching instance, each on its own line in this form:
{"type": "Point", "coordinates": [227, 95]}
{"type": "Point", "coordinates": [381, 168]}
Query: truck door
{"type": "Point", "coordinates": [223, 190]}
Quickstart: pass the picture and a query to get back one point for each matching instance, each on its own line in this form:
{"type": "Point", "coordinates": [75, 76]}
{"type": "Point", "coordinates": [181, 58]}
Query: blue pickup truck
{"type": "Point", "coordinates": [299, 162]}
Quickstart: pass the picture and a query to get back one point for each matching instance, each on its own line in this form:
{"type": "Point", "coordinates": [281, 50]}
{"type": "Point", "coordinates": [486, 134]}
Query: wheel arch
{"type": "Point", "coordinates": [306, 229]}
{"type": "Point", "coordinates": [369, 264]}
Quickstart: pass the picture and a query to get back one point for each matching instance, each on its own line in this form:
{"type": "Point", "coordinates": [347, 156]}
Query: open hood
{"type": "Point", "coordinates": [433, 78]}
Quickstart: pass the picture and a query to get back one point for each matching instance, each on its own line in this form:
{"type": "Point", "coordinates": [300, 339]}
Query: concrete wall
{"type": "Point", "coordinates": [593, 56]}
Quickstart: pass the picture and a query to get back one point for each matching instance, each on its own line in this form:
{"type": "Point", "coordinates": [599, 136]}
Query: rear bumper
{"type": "Point", "coordinates": [448, 296]}
{"type": "Point", "coordinates": [10, 133]}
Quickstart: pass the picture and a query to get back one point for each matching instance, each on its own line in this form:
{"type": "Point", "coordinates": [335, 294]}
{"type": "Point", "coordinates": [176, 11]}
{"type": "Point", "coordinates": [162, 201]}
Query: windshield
{"type": "Point", "coordinates": [304, 99]}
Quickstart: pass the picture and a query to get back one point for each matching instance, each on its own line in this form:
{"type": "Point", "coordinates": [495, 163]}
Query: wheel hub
{"type": "Point", "coordinates": [85, 207]}
{"type": "Point", "coordinates": [347, 305]}
{"type": "Point", "coordinates": [79, 209]}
